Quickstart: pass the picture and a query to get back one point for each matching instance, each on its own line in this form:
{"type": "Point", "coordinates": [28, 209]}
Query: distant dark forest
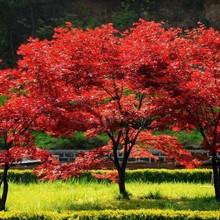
{"type": "Point", "coordinates": [20, 19]}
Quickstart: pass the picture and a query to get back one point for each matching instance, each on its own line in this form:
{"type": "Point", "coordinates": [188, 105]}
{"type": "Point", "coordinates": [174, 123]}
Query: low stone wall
{"type": "Point", "coordinates": [70, 155]}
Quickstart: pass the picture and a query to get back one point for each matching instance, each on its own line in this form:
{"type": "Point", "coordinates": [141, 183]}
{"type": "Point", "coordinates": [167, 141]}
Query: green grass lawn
{"type": "Point", "coordinates": [69, 196]}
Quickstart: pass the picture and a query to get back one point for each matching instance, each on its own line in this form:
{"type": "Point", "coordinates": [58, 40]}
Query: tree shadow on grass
{"type": "Point", "coordinates": [193, 204]}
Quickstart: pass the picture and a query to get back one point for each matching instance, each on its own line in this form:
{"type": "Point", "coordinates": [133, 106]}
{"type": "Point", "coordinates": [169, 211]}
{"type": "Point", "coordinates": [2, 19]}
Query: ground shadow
{"type": "Point", "coordinates": [200, 204]}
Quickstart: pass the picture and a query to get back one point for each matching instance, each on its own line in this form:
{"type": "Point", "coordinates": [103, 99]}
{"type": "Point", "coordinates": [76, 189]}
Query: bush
{"type": "Point", "coordinates": [115, 214]}
{"type": "Point", "coordinates": [141, 175]}
{"type": "Point", "coordinates": [124, 19]}
{"type": "Point", "coordinates": [78, 141]}
{"type": "Point", "coordinates": [187, 139]}
{"type": "Point", "coordinates": [163, 175]}
{"type": "Point", "coordinates": [21, 176]}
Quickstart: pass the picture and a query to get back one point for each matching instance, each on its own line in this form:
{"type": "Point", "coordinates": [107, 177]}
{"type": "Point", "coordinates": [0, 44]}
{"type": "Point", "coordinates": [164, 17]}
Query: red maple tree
{"type": "Point", "coordinates": [187, 80]}
{"type": "Point", "coordinates": [81, 74]}
{"type": "Point", "coordinates": [18, 115]}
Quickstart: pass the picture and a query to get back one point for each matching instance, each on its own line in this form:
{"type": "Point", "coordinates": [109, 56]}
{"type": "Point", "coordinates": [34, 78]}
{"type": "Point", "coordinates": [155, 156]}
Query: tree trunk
{"type": "Point", "coordinates": [4, 180]}
{"type": "Point", "coordinates": [121, 184]}
{"type": "Point", "coordinates": [120, 167]}
{"type": "Point", "coordinates": [216, 176]}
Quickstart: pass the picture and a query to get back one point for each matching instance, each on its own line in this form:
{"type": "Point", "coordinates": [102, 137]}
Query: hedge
{"type": "Point", "coordinates": [141, 175]}
{"type": "Point", "coordinates": [165, 175]}
{"type": "Point", "coordinates": [141, 214]}
{"type": "Point", "coordinates": [21, 176]}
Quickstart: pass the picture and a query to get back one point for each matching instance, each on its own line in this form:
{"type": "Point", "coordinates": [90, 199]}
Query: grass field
{"type": "Point", "coordinates": [79, 195]}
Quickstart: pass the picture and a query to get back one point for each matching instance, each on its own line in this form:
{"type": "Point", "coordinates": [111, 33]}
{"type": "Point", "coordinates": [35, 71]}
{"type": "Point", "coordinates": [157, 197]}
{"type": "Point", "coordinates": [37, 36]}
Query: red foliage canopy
{"type": "Point", "coordinates": [184, 70]}
{"type": "Point", "coordinates": [90, 75]}
{"type": "Point", "coordinates": [18, 116]}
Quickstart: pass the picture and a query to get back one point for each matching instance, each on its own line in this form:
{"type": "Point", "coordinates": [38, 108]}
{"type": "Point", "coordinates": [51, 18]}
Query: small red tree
{"type": "Point", "coordinates": [18, 116]}
{"type": "Point", "coordinates": [187, 81]}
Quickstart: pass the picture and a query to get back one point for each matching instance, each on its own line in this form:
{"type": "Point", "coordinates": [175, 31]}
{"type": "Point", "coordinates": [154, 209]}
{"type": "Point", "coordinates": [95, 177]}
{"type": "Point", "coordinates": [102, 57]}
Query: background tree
{"type": "Point", "coordinates": [19, 114]}
{"type": "Point", "coordinates": [187, 80]}
{"type": "Point", "coordinates": [17, 119]}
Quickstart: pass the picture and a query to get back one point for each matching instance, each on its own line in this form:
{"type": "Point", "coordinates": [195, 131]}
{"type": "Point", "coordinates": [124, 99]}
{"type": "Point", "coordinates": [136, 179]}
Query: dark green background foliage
{"type": "Point", "coordinates": [191, 140]}
{"type": "Point", "coordinates": [78, 141]}
{"type": "Point", "coordinates": [188, 139]}
{"type": "Point", "coordinates": [23, 18]}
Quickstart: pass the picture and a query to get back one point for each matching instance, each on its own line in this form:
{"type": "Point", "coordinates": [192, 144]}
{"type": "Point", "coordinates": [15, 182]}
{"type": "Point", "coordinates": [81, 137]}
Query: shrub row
{"type": "Point", "coordinates": [114, 214]}
{"type": "Point", "coordinates": [21, 176]}
{"type": "Point", "coordinates": [165, 175]}
{"type": "Point", "coordinates": [141, 175]}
